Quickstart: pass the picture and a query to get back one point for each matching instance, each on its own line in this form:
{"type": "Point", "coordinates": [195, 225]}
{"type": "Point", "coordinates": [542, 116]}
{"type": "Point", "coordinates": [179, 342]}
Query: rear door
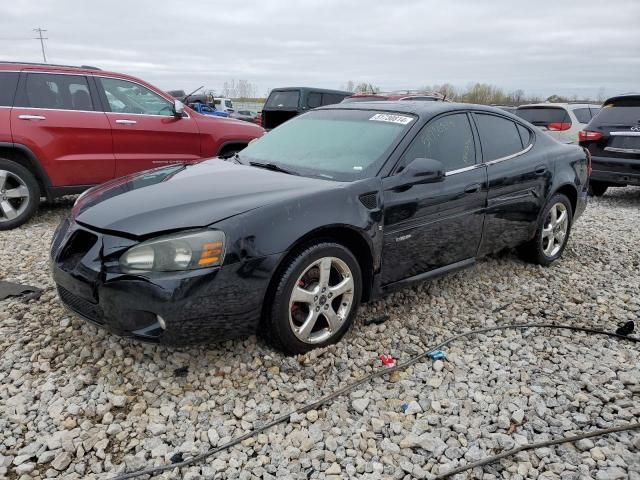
{"type": "Point", "coordinates": [58, 117]}
{"type": "Point", "coordinates": [556, 121]}
{"type": "Point", "coordinates": [519, 178]}
{"type": "Point", "coordinates": [146, 134]}
{"type": "Point", "coordinates": [429, 226]}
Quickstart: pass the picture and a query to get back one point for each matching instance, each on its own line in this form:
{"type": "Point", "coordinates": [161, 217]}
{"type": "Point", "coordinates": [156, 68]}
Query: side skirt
{"type": "Point", "coordinates": [430, 275]}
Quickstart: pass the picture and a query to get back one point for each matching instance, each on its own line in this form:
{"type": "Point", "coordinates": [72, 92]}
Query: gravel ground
{"type": "Point", "coordinates": [76, 402]}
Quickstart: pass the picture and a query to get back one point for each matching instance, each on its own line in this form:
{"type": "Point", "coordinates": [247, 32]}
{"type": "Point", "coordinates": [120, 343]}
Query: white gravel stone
{"type": "Point", "coordinates": [79, 403]}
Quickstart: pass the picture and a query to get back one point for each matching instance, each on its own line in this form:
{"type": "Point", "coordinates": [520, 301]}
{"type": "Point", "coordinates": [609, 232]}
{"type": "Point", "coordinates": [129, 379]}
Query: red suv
{"type": "Point", "coordinates": [64, 129]}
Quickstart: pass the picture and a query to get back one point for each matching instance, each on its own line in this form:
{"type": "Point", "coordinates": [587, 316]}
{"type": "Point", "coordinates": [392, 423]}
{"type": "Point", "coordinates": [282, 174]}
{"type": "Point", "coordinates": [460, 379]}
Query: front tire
{"type": "Point", "coordinates": [597, 189]}
{"type": "Point", "coordinates": [316, 298]}
{"type": "Point", "coordinates": [19, 194]}
{"type": "Point", "coordinates": [552, 233]}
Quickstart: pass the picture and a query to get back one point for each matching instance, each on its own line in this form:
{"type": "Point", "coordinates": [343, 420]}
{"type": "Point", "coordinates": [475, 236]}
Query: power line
{"type": "Point", "coordinates": [42, 39]}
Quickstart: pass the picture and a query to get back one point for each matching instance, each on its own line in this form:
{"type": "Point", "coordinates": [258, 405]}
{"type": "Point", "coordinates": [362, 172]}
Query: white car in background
{"type": "Point", "coordinates": [562, 121]}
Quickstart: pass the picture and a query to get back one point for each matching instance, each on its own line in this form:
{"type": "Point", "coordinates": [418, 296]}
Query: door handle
{"type": "Point", "coordinates": [474, 187]}
{"type": "Point", "coordinates": [32, 117]}
{"type": "Point", "coordinates": [541, 169]}
{"type": "Point", "coordinates": [126, 122]}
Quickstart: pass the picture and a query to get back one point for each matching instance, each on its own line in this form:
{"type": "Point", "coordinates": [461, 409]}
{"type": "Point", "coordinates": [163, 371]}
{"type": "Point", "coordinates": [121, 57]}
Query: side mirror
{"type": "Point", "coordinates": [178, 109]}
{"type": "Point", "coordinates": [423, 170]}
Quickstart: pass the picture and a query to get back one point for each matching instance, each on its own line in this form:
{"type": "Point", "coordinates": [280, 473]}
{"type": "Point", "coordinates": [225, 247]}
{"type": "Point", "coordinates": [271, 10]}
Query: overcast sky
{"type": "Point", "coordinates": [543, 47]}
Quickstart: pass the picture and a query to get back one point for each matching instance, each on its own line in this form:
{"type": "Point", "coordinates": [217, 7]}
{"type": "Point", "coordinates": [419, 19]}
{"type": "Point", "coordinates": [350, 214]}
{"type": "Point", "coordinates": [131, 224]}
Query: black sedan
{"type": "Point", "coordinates": [335, 207]}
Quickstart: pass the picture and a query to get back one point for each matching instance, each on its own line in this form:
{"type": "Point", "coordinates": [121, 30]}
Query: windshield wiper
{"type": "Point", "coordinates": [273, 167]}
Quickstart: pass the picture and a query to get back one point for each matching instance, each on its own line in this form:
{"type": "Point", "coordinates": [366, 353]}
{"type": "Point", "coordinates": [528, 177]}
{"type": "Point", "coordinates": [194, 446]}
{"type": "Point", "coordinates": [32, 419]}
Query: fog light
{"type": "Point", "coordinates": [161, 322]}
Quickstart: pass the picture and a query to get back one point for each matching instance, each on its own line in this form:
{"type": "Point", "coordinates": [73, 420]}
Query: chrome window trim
{"type": "Point", "coordinates": [464, 169]}
{"type": "Point", "coordinates": [509, 157]}
{"type": "Point", "coordinates": [625, 134]}
{"type": "Point", "coordinates": [145, 114]}
{"type": "Point", "coordinates": [58, 109]}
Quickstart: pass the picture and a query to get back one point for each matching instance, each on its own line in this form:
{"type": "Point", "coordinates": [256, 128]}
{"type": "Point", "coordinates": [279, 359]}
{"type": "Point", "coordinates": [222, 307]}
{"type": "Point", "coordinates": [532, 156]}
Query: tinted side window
{"type": "Point", "coordinates": [525, 136]}
{"type": "Point", "coordinates": [448, 139]}
{"type": "Point", "coordinates": [314, 99]}
{"type": "Point", "coordinates": [65, 92]}
{"type": "Point", "coordinates": [283, 99]}
{"type": "Point", "coordinates": [499, 137]}
{"type": "Point", "coordinates": [8, 83]}
{"type": "Point", "coordinates": [582, 114]}
{"type": "Point", "coordinates": [129, 97]}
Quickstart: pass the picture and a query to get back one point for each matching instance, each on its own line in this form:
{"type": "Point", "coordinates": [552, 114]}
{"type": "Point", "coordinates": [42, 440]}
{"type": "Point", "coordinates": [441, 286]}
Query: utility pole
{"type": "Point", "coordinates": [42, 39]}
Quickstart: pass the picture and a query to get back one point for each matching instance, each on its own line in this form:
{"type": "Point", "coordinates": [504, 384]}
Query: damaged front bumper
{"type": "Point", "coordinates": [207, 304]}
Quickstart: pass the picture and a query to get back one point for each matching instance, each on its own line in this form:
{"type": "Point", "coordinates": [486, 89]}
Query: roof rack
{"type": "Point", "coordinates": [86, 67]}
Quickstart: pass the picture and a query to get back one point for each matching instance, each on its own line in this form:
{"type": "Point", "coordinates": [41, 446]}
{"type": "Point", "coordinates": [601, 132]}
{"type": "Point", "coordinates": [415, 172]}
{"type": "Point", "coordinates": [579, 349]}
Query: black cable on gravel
{"type": "Point", "coordinates": [384, 371]}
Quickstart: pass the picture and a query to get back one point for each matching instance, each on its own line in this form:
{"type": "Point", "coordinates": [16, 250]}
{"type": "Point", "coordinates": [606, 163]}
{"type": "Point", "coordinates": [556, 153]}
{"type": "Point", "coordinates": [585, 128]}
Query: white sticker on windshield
{"type": "Point", "coordinates": [387, 117]}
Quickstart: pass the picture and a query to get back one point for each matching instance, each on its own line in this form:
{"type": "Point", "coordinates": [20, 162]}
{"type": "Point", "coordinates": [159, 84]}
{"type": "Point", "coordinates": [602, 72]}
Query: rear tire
{"type": "Point", "coordinates": [552, 233]}
{"type": "Point", "coordinates": [19, 194]}
{"type": "Point", "coordinates": [316, 299]}
{"type": "Point", "coordinates": [597, 189]}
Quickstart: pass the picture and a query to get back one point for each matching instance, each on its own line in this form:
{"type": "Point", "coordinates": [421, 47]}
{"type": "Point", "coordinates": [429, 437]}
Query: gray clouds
{"type": "Point", "coordinates": [542, 47]}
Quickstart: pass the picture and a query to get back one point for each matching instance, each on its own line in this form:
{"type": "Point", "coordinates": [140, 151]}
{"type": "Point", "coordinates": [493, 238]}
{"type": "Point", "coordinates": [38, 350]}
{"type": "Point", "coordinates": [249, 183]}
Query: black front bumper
{"type": "Point", "coordinates": [195, 306]}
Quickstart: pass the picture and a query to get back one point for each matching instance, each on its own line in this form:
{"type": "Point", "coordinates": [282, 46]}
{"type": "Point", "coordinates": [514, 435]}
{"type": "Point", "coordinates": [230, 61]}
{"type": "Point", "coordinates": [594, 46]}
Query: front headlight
{"type": "Point", "coordinates": [180, 251]}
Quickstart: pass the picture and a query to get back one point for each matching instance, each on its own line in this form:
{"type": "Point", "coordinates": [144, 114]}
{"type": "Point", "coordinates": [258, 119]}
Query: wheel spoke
{"type": "Point", "coordinates": [325, 271]}
{"type": "Point", "coordinates": [343, 287]}
{"type": "Point", "coordinates": [554, 216]}
{"type": "Point", "coordinates": [547, 232]}
{"type": "Point", "coordinates": [300, 295]}
{"type": "Point", "coordinates": [307, 327]}
{"type": "Point", "coordinates": [562, 218]}
{"type": "Point", "coordinates": [7, 209]}
{"type": "Point", "coordinates": [3, 178]}
{"type": "Point", "coordinates": [18, 192]}
{"type": "Point", "coordinates": [333, 319]}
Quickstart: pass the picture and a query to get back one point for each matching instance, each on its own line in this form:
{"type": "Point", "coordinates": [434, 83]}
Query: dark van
{"type": "Point", "coordinates": [285, 103]}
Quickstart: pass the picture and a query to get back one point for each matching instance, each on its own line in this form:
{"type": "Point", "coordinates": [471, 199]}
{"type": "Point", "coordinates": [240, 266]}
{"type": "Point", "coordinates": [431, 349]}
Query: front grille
{"type": "Point", "coordinates": [78, 245]}
{"type": "Point", "coordinates": [89, 310]}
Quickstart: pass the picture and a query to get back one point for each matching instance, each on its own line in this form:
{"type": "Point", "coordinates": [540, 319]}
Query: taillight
{"type": "Point", "coordinates": [589, 135]}
{"type": "Point", "coordinates": [559, 127]}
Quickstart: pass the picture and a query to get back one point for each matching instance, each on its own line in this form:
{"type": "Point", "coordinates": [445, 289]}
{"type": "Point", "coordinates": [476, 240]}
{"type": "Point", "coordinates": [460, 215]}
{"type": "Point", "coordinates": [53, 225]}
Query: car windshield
{"type": "Point", "coordinates": [543, 116]}
{"type": "Point", "coordinates": [343, 145]}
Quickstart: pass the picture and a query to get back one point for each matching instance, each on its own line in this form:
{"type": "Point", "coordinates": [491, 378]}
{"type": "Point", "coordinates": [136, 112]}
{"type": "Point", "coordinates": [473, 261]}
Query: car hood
{"type": "Point", "coordinates": [179, 197]}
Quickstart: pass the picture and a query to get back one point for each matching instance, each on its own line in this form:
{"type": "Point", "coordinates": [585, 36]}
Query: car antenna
{"type": "Point", "coordinates": [185, 98]}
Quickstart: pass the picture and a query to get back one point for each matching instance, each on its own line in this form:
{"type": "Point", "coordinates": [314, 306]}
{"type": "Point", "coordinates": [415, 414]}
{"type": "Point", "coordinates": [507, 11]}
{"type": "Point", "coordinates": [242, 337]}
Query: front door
{"type": "Point", "coordinates": [429, 226]}
{"type": "Point", "coordinates": [146, 134]}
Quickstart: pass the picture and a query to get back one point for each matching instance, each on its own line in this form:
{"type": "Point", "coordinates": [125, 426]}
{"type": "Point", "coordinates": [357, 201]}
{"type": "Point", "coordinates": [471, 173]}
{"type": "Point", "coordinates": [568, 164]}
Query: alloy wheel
{"type": "Point", "coordinates": [14, 196]}
{"type": "Point", "coordinates": [555, 229]}
{"type": "Point", "coordinates": [321, 300]}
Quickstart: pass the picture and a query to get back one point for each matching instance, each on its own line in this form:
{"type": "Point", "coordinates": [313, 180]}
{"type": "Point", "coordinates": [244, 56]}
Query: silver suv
{"type": "Point", "coordinates": [563, 121]}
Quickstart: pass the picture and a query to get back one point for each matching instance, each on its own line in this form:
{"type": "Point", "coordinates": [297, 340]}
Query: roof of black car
{"type": "Point", "coordinates": [312, 89]}
{"type": "Point", "coordinates": [622, 96]}
{"type": "Point", "coordinates": [415, 107]}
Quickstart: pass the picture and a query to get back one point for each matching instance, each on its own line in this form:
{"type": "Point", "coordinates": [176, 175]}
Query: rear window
{"type": "Point", "coordinates": [622, 111]}
{"type": "Point", "coordinates": [283, 99]}
{"type": "Point", "coordinates": [543, 116]}
{"type": "Point", "coordinates": [8, 82]}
